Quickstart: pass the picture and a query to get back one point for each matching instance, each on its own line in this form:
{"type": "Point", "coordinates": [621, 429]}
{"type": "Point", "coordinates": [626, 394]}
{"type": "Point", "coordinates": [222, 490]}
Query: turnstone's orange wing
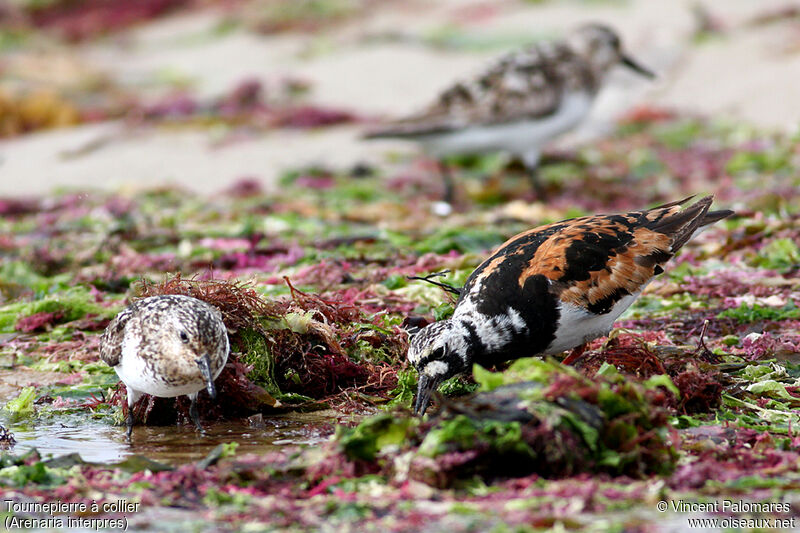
{"type": "Point", "coordinates": [592, 262]}
{"type": "Point", "coordinates": [524, 84]}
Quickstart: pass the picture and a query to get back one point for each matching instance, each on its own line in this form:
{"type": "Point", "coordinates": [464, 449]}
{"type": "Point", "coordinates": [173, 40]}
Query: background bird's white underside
{"type": "Point", "coordinates": [523, 138]}
{"type": "Point", "coordinates": [576, 325]}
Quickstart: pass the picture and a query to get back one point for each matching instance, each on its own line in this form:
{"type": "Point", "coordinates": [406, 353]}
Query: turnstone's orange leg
{"type": "Point", "coordinates": [575, 354]}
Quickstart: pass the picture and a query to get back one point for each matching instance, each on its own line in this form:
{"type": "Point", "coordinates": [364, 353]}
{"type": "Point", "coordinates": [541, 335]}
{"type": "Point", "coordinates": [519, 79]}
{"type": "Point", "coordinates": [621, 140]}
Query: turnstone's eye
{"type": "Point", "coordinates": [438, 353]}
{"type": "Point", "coordinates": [184, 336]}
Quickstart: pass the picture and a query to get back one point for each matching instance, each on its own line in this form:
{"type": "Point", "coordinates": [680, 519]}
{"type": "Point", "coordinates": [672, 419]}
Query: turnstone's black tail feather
{"type": "Point", "coordinates": [673, 204]}
{"type": "Point", "coordinates": [715, 216]}
{"type": "Point", "coordinates": [682, 225]}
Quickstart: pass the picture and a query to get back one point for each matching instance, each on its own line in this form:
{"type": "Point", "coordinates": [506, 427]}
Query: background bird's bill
{"type": "Point", "coordinates": [636, 67]}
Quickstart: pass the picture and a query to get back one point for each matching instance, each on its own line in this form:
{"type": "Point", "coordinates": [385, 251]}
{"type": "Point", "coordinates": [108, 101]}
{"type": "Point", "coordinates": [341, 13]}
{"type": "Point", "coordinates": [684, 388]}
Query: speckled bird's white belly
{"type": "Point", "coordinates": [518, 137]}
{"type": "Point", "coordinates": [142, 375]}
{"type": "Point", "coordinates": [137, 375]}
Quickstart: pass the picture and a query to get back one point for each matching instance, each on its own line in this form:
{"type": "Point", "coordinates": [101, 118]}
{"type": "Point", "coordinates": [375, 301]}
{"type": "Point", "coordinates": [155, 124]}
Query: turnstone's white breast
{"type": "Point", "coordinates": [166, 346]}
{"type": "Point", "coordinates": [520, 102]}
{"type": "Point", "coordinates": [553, 288]}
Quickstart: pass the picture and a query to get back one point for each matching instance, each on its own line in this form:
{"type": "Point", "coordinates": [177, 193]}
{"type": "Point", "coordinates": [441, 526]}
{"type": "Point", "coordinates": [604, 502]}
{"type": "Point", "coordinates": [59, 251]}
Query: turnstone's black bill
{"type": "Point", "coordinates": [553, 288]}
{"type": "Point", "coordinates": [519, 103]}
{"type": "Point", "coordinates": [166, 346]}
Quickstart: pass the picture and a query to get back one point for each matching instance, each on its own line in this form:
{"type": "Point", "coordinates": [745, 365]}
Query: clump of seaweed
{"type": "Point", "coordinates": [699, 384]}
{"type": "Point", "coordinates": [246, 104]}
{"type": "Point", "coordinates": [38, 321]}
{"type": "Point", "coordinates": [74, 304]}
{"type": "Point", "coordinates": [537, 417]}
{"type": "Point", "coordinates": [241, 306]}
{"type": "Point", "coordinates": [82, 19]}
{"type": "Point", "coordinates": [23, 113]}
{"type": "Point", "coordinates": [243, 311]}
{"type": "Point", "coordinates": [310, 349]}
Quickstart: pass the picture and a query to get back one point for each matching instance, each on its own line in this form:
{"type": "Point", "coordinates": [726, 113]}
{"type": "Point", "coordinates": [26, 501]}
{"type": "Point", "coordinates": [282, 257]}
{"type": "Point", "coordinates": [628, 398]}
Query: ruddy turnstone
{"type": "Point", "coordinates": [519, 103]}
{"type": "Point", "coordinates": [553, 288]}
{"type": "Point", "coordinates": [166, 346]}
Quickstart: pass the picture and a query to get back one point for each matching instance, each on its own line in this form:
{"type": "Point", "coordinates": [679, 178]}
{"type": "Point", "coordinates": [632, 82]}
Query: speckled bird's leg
{"type": "Point", "coordinates": [536, 183]}
{"type": "Point", "coordinates": [193, 411]}
{"type": "Point", "coordinates": [449, 185]}
{"type": "Point", "coordinates": [133, 397]}
{"type": "Point", "coordinates": [531, 162]}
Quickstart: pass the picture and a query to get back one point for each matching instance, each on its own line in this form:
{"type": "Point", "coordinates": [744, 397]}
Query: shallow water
{"type": "Point", "coordinates": [99, 442]}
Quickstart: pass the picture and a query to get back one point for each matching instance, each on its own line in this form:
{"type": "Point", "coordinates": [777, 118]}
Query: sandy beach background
{"type": "Point", "coordinates": [727, 58]}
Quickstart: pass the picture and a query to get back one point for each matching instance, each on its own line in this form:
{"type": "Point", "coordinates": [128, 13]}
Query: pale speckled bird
{"type": "Point", "coordinates": [519, 103]}
{"type": "Point", "coordinates": [166, 346]}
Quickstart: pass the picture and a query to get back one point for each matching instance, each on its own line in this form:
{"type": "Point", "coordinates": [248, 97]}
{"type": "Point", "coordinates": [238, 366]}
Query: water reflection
{"type": "Point", "coordinates": [98, 442]}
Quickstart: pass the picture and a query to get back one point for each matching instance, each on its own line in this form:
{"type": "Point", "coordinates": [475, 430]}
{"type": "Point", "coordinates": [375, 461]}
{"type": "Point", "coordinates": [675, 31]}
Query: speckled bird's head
{"type": "Point", "coordinates": [602, 48]}
{"type": "Point", "coordinates": [184, 329]}
{"type": "Point", "coordinates": [439, 351]}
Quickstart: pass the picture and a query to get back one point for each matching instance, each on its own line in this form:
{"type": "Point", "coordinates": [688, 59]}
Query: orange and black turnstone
{"type": "Point", "coordinates": [553, 288]}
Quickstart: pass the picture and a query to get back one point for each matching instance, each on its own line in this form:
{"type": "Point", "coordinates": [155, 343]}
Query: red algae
{"type": "Point", "coordinates": [699, 390]}
{"type": "Point", "coordinates": [39, 321]}
{"type": "Point", "coordinates": [87, 18]}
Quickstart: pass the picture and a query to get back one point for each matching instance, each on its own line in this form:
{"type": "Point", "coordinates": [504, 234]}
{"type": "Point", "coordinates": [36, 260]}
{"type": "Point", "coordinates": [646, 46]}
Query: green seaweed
{"type": "Point", "coordinates": [747, 313]}
{"type": "Point", "coordinates": [780, 254]}
{"type": "Point", "coordinates": [457, 433]}
{"type": "Point", "coordinates": [73, 303]}
{"type": "Point", "coordinates": [256, 354]}
{"type": "Point", "coordinates": [22, 405]}
{"type": "Point", "coordinates": [37, 473]}
{"type": "Point", "coordinates": [374, 434]}
{"type": "Point", "coordinates": [679, 134]}
{"type": "Point", "coordinates": [403, 394]}
{"type": "Point", "coordinates": [21, 273]}
{"type": "Point", "coordinates": [599, 417]}
{"type": "Point", "coordinates": [526, 369]}
{"type": "Point", "coordinates": [764, 161]}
